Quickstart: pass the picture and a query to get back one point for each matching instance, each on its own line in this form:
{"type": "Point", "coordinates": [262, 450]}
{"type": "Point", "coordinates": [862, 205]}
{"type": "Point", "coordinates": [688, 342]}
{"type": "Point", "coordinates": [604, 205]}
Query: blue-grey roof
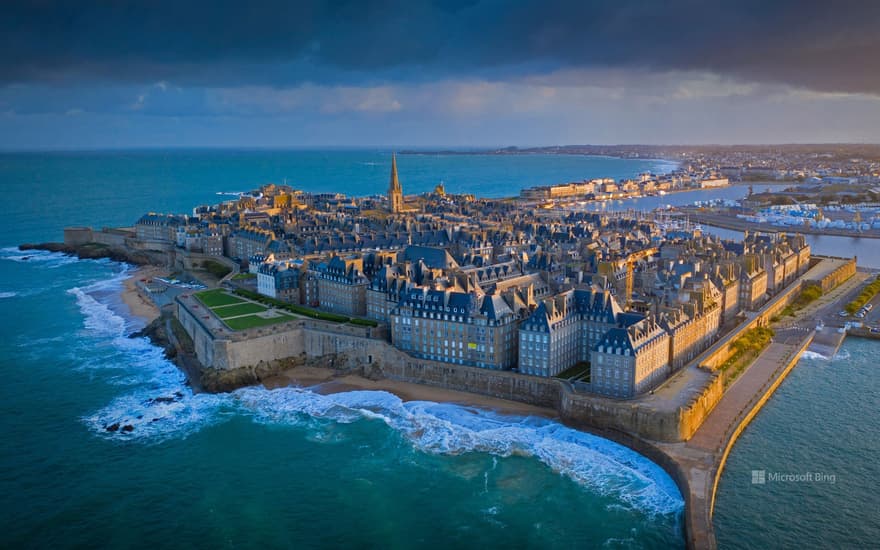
{"type": "Point", "coordinates": [432, 256]}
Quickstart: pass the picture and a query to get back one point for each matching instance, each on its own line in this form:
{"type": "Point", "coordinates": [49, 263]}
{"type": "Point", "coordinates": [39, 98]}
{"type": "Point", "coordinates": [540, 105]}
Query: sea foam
{"type": "Point", "coordinates": [158, 403]}
{"type": "Point", "coordinates": [841, 355]}
{"type": "Point", "coordinates": [40, 257]}
{"type": "Point", "coordinates": [813, 355]}
{"type": "Point", "coordinates": [443, 428]}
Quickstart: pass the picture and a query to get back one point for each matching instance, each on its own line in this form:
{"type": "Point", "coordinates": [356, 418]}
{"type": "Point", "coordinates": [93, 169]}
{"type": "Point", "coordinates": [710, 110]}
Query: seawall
{"type": "Point", "coordinates": [759, 402]}
{"type": "Point", "coordinates": [366, 349]}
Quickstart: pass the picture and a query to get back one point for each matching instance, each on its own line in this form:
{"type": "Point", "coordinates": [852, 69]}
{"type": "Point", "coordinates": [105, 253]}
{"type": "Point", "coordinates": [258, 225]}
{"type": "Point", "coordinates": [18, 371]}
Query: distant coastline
{"type": "Point", "coordinates": [586, 151]}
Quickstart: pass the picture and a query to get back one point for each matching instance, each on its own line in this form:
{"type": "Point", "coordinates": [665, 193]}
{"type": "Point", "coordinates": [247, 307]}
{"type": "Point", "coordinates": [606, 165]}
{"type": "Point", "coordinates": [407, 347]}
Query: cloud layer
{"type": "Point", "coordinates": [453, 73]}
{"type": "Point", "coordinates": [814, 44]}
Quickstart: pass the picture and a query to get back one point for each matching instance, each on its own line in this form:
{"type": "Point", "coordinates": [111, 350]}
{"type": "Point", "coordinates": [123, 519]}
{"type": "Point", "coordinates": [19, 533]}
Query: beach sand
{"type": "Point", "coordinates": [139, 305]}
{"type": "Point", "coordinates": [326, 381]}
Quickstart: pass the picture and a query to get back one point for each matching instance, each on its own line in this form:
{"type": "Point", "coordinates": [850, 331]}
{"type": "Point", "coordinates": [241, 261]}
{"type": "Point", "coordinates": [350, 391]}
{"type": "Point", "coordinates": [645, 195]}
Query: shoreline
{"type": "Point", "coordinates": [140, 306]}
{"type": "Point", "coordinates": [326, 381]}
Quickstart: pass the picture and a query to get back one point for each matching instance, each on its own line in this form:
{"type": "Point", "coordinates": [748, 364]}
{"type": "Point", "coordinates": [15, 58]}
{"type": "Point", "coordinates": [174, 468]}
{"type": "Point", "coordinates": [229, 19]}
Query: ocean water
{"type": "Point", "coordinates": [820, 435]}
{"type": "Point", "coordinates": [260, 468]}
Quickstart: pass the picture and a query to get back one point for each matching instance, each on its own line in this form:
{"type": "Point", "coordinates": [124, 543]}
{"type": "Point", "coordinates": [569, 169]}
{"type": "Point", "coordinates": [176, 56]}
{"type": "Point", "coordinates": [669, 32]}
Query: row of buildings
{"type": "Point", "coordinates": [608, 188]}
{"type": "Point", "coordinates": [499, 284]}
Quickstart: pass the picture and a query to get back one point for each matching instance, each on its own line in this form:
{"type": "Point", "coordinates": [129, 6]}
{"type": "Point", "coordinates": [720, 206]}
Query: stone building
{"type": "Point", "coordinates": [725, 276]}
{"type": "Point", "coordinates": [281, 280]}
{"type": "Point", "coordinates": [563, 329]}
{"type": "Point", "coordinates": [753, 284]}
{"type": "Point", "coordinates": [465, 328]}
{"type": "Point", "coordinates": [385, 291]}
{"type": "Point", "coordinates": [159, 227]}
{"type": "Point", "coordinates": [631, 360]}
{"type": "Point", "coordinates": [342, 286]}
{"type": "Point", "coordinates": [244, 243]}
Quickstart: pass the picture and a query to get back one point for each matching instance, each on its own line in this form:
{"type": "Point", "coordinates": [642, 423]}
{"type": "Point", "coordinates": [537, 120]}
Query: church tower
{"type": "Point", "coordinates": [395, 192]}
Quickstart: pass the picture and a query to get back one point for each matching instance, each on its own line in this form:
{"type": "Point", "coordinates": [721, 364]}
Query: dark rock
{"type": "Point", "coordinates": [128, 428]}
{"type": "Point", "coordinates": [112, 427]}
{"type": "Point", "coordinates": [94, 251]}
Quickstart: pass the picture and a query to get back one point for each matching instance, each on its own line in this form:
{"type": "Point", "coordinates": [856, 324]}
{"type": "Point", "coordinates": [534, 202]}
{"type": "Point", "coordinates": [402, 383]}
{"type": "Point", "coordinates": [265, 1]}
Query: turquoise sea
{"type": "Point", "coordinates": [820, 433]}
{"type": "Point", "coordinates": [258, 468]}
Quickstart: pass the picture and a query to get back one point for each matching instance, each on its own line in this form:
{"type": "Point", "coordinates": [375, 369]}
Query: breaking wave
{"type": "Point", "coordinates": [160, 404]}
{"type": "Point", "coordinates": [42, 257]}
{"type": "Point", "coordinates": [8, 294]}
{"type": "Point", "coordinates": [815, 356]}
{"type": "Point", "coordinates": [443, 428]}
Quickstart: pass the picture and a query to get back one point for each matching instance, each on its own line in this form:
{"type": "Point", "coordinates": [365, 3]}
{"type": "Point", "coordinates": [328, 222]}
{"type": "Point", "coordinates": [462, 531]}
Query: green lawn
{"type": "Point", "coordinates": [580, 369]}
{"type": "Point", "coordinates": [244, 276]}
{"type": "Point", "coordinates": [225, 312]}
{"type": "Point", "coordinates": [251, 321]}
{"type": "Point", "coordinates": [217, 297]}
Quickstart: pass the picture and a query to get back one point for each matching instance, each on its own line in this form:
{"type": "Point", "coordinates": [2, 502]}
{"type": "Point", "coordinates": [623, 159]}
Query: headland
{"type": "Point", "coordinates": [643, 330]}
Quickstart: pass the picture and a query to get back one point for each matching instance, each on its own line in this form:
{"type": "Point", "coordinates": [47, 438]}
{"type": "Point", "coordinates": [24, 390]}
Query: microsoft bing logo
{"type": "Point", "coordinates": [759, 477]}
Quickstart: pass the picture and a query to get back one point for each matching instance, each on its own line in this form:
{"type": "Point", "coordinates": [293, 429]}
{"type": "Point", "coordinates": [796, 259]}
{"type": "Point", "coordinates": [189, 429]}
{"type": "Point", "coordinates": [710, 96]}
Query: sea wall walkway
{"type": "Point", "coordinates": [702, 458]}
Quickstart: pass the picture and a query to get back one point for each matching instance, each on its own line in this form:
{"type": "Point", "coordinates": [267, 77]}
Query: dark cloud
{"type": "Point", "coordinates": [816, 44]}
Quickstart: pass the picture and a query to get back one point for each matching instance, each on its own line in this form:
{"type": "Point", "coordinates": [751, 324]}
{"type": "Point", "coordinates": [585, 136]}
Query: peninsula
{"type": "Point", "coordinates": [642, 329]}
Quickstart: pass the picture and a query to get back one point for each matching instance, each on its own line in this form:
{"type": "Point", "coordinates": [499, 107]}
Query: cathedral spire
{"type": "Point", "coordinates": [395, 191]}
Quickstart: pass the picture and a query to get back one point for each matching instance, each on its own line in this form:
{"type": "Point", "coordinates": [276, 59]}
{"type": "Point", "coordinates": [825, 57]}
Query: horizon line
{"type": "Point", "coordinates": [428, 148]}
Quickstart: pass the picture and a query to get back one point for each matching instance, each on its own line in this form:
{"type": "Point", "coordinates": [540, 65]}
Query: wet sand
{"type": "Point", "coordinates": [140, 305]}
{"type": "Point", "coordinates": [326, 381]}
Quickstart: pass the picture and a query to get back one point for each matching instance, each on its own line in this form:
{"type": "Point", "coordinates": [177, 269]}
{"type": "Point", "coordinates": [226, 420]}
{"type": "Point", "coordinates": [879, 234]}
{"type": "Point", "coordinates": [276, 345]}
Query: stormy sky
{"type": "Point", "coordinates": [98, 74]}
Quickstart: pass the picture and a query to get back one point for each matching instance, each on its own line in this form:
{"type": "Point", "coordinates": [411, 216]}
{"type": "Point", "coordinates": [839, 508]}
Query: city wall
{"type": "Point", "coordinates": [351, 347]}
{"type": "Point", "coordinates": [78, 236]}
{"type": "Point", "coordinates": [833, 279]}
{"type": "Point", "coordinates": [364, 348]}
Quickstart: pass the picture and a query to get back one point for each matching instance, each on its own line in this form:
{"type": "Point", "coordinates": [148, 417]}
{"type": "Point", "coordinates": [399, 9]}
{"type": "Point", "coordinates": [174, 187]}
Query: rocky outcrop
{"type": "Point", "coordinates": [210, 380]}
{"type": "Point", "coordinates": [225, 380]}
{"type": "Point", "coordinates": [157, 332]}
{"type": "Point", "coordinates": [96, 251]}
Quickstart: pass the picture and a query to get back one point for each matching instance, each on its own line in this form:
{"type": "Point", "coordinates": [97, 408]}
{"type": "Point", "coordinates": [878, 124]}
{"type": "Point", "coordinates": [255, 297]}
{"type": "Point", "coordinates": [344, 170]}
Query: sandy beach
{"type": "Point", "coordinates": [139, 305]}
{"type": "Point", "coordinates": [326, 381]}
